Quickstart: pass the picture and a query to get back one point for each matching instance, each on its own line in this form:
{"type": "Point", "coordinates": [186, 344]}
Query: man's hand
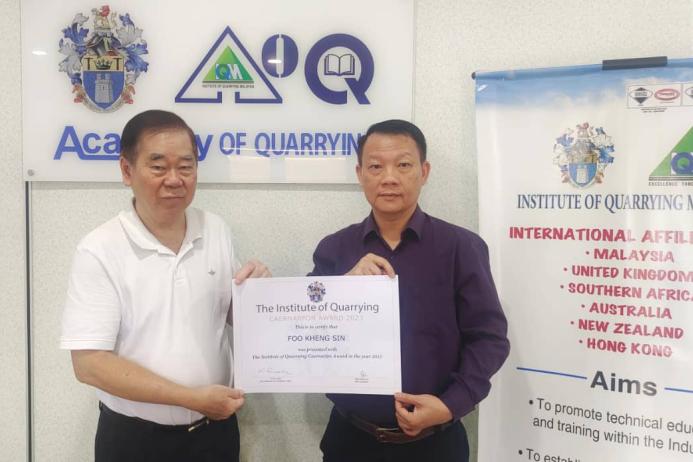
{"type": "Point", "coordinates": [417, 412]}
{"type": "Point", "coordinates": [372, 265]}
{"type": "Point", "coordinates": [252, 269]}
{"type": "Point", "coordinates": [217, 401]}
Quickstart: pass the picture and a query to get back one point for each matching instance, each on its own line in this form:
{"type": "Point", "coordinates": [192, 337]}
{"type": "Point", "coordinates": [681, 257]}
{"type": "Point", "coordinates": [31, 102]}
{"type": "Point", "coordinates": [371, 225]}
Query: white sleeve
{"type": "Point", "coordinates": [235, 266]}
{"type": "Point", "coordinates": [235, 262]}
{"type": "Point", "coordinates": [91, 319]}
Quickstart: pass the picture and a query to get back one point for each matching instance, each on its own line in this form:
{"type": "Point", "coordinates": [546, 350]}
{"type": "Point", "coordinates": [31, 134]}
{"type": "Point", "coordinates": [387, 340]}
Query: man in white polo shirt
{"type": "Point", "coordinates": [148, 300]}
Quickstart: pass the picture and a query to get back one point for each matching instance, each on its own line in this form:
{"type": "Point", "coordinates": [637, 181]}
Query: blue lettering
{"type": "Point", "coordinates": [203, 148]}
{"type": "Point", "coordinates": [350, 143]}
{"type": "Point", "coordinates": [87, 147]}
{"type": "Point", "coordinates": [69, 134]}
{"type": "Point", "coordinates": [292, 143]}
{"type": "Point", "coordinates": [112, 145]}
{"type": "Point", "coordinates": [333, 142]}
{"type": "Point", "coordinates": [240, 141]}
{"type": "Point", "coordinates": [307, 143]}
{"type": "Point", "coordinates": [320, 140]}
{"type": "Point", "coordinates": [227, 143]}
{"type": "Point", "coordinates": [275, 151]}
{"type": "Point", "coordinates": [264, 138]}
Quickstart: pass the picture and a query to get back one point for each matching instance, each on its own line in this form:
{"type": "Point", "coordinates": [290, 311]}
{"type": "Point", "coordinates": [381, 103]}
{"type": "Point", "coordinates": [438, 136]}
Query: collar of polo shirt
{"type": "Point", "coordinates": [143, 238]}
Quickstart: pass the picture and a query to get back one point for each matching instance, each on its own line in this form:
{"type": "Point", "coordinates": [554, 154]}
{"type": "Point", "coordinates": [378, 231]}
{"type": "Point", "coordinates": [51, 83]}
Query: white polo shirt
{"type": "Point", "coordinates": [130, 294]}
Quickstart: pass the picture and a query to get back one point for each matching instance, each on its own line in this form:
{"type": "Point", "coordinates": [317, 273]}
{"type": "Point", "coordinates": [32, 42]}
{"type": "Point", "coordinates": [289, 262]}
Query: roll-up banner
{"type": "Point", "coordinates": [586, 202]}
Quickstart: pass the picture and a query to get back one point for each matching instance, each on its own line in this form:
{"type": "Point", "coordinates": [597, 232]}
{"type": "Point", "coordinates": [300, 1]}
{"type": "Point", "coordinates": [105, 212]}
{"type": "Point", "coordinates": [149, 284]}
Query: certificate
{"type": "Point", "coordinates": [333, 334]}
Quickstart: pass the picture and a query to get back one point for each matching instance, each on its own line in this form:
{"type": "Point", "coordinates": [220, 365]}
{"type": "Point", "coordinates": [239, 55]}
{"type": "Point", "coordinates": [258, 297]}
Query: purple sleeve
{"type": "Point", "coordinates": [483, 328]}
{"type": "Point", "coordinates": [324, 258]}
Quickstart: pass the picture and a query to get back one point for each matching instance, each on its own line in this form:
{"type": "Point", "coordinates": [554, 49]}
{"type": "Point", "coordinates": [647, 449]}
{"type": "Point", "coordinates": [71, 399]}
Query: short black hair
{"type": "Point", "coordinates": [394, 127]}
{"type": "Point", "coordinates": [148, 122]}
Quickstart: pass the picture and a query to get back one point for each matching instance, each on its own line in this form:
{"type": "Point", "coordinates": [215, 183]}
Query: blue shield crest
{"type": "Point", "coordinates": [103, 58]}
{"type": "Point", "coordinates": [103, 79]}
{"type": "Point", "coordinates": [582, 174]}
{"type": "Point", "coordinates": [583, 155]}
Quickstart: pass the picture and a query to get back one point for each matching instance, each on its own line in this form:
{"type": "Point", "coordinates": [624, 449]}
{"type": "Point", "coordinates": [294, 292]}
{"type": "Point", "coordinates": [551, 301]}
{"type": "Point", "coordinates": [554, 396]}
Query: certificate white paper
{"type": "Point", "coordinates": [333, 334]}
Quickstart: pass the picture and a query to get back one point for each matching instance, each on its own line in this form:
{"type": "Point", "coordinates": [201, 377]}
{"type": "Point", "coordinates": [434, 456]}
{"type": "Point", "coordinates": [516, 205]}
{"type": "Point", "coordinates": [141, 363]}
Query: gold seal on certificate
{"type": "Point", "coordinates": [330, 334]}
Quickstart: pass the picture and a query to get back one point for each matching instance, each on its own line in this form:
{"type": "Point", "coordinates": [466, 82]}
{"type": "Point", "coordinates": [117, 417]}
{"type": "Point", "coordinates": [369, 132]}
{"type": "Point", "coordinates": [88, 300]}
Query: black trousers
{"type": "Point", "coordinates": [342, 442]}
{"type": "Point", "coordinates": [121, 438]}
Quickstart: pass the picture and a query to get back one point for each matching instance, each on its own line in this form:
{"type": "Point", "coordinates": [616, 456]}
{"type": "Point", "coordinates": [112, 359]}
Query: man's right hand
{"type": "Point", "coordinates": [372, 265]}
{"type": "Point", "coordinates": [217, 401]}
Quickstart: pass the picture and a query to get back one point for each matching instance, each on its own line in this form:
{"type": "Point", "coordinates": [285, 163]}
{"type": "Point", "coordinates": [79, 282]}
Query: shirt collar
{"type": "Point", "coordinates": [415, 224]}
{"type": "Point", "coordinates": [143, 238]}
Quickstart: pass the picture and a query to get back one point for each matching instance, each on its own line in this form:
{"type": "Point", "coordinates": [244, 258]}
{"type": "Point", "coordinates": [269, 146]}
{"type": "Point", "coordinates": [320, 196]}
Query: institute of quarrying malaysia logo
{"type": "Point", "coordinates": [583, 154]}
{"type": "Point", "coordinates": [676, 168]}
{"type": "Point", "coordinates": [103, 58]}
{"type": "Point", "coordinates": [316, 291]}
{"type": "Point", "coordinates": [228, 72]}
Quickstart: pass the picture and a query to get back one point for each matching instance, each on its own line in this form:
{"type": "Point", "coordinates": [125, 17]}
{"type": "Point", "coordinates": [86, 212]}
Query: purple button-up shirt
{"type": "Point", "coordinates": [452, 328]}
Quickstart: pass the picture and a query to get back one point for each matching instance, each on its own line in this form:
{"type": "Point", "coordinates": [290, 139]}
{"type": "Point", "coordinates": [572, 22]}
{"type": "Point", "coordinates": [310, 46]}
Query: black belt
{"type": "Point", "coordinates": [393, 435]}
{"type": "Point", "coordinates": [186, 427]}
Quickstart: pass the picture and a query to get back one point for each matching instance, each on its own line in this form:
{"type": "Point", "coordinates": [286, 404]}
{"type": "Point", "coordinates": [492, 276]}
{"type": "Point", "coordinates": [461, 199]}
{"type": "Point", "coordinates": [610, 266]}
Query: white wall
{"type": "Point", "coordinates": [282, 224]}
{"type": "Point", "coordinates": [13, 376]}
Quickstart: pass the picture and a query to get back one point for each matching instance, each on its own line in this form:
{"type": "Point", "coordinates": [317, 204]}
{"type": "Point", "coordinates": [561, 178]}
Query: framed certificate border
{"type": "Point", "coordinates": [333, 334]}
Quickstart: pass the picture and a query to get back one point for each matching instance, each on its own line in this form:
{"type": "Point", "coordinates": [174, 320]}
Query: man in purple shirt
{"type": "Point", "coordinates": [453, 331]}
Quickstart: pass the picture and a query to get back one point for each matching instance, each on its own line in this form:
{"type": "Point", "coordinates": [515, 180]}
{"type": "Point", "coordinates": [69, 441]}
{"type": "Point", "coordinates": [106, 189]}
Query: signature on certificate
{"type": "Point", "coordinates": [272, 375]}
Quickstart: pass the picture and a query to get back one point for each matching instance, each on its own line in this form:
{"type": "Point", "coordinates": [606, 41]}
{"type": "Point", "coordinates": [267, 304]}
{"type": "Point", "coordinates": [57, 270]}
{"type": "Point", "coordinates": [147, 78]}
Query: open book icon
{"type": "Point", "coordinates": [340, 65]}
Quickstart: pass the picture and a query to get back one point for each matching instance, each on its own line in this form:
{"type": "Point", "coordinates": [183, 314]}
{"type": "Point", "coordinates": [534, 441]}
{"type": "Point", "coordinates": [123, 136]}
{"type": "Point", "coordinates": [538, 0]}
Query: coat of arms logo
{"type": "Point", "coordinates": [583, 154]}
{"type": "Point", "coordinates": [316, 291]}
{"type": "Point", "coordinates": [103, 62]}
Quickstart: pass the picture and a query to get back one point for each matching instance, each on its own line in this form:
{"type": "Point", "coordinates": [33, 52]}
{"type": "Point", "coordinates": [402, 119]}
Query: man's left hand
{"type": "Point", "coordinates": [418, 412]}
{"type": "Point", "coordinates": [252, 269]}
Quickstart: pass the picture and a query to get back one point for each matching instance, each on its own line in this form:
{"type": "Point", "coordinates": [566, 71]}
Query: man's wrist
{"type": "Point", "coordinates": [186, 397]}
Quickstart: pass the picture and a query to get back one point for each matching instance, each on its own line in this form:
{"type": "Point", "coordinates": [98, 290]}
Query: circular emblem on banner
{"type": "Point", "coordinates": [583, 154]}
{"type": "Point", "coordinates": [103, 58]}
{"type": "Point", "coordinates": [316, 291]}
{"type": "Point", "coordinates": [667, 94]}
